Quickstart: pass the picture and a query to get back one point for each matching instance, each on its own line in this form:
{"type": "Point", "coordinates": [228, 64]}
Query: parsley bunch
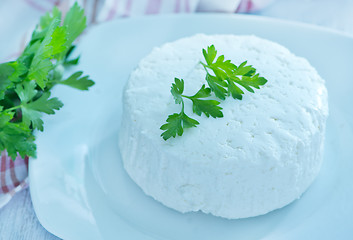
{"type": "Point", "coordinates": [25, 84]}
{"type": "Point", "coordinates": [223, 79]}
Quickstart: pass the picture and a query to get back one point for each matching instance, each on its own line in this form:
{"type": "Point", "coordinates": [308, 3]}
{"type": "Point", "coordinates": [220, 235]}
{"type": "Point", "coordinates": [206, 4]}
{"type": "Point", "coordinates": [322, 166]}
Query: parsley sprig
{"type": "Point", "coordinates": [178, 121]}
{"type": "Point", "coordinates": [228, 77]}
{"type": "Point", "coordinates": [223, 79]}
{"type": "Point", "coordinates": [26, 83]}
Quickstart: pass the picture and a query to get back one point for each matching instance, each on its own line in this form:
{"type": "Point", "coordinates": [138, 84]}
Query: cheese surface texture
{"type": "Point", "coordinates": [263, 154]}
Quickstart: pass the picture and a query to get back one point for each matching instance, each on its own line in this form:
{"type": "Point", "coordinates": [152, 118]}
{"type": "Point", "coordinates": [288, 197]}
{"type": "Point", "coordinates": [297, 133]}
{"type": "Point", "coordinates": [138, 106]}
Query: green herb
{"type": "Point", "coordinates": [177, 121]}
{"type": "Point", "coordinates": [228, 77]}
{"type": "Point", "coordinates": [25, 84]}
{"type": "Point", "coordinates": [223, 78]}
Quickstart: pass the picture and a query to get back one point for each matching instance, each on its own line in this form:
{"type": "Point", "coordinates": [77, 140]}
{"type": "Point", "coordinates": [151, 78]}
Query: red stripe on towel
{"type": "Point", "coordinates": [3, 172]}
{"type": "Point", "coordinates": [14, 179]}
{"type": "Point", "coordinates": [127, 8]}
{"type": "Point", "coordinates": [187, 6]}
{"type": "Point", "coordinates": [153, 6]}
{"type": "Point", "coordinates": [177, 6]}
{"type": "Point", "coordinates": [113, 10]}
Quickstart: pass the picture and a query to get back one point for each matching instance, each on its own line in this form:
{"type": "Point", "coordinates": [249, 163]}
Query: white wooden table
{"type": "Point", "coordinates": [18, 219]}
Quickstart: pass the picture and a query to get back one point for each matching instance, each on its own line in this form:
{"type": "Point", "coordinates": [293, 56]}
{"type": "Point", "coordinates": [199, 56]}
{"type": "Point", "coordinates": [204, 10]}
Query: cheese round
{"type": "Point", "coordinates": [263, 154]}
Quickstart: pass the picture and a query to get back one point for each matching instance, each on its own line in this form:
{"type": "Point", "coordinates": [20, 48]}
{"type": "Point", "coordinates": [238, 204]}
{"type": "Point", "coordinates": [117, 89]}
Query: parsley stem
{"type": "Point", "coordinates": [182, 105]}
{"type": "Point", "coordinates": [205, 67]}
{"type": "Point", "coordinates": [13, 108]}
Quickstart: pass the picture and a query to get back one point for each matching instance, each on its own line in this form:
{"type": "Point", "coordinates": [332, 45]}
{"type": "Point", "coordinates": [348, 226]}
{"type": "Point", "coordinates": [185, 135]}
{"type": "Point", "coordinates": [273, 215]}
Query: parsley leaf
{"type": "Point", "coordinates": [210, 54]}
{"type": "Point", "coordinates": [176, 123]}
{"type": "Point", "coordinates": [15, 137]}
{"type": "Point", "coordinates": [223, 78]}
{"type": "Point", "coordinates": [228, 77]}
{"type": "Point", "coordinates": [71, 62]}
{"type": "Point", "coordinates": [75, 23]}
{"type": "Point", "coordinates": [47, 19]}
{"type": "Point", "coordinates": [45, 104]}
{"type": "Point", "coordinates": [25, 84]}
{"type": "Point", "coordinates": [208, 107]}
{"type": "Point", "coordinates": [41, 64]}
{"type": "Point", "coordinates": [59, 41]}
{"type": "Point", "coordinates": [32, 110]}
{"type": "Point", "coordinates": [177, 90]}
{"type": "Point", "coordinates": [75, 81]}
{"type": "Point", "coordinates": [5, 72]}
{"type": "Point", "coordinates": [26, 91]}
{"type": "Point", "coordinates": [217, 86]}
{"type": "Point", "coordinates": [19, 70]}
{"type": "Point", "coordinates": [235, 91]}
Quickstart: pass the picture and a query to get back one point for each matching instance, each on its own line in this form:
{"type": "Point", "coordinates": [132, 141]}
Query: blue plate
{"type": "Point", "coordinates": [81, 191]}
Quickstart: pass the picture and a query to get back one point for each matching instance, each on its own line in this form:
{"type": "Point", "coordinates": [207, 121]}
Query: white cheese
{"type": "Point", "coordinates": [263, 154]}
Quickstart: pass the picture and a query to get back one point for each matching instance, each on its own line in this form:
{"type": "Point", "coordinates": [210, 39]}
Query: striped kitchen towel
{"type": "Point", "coordinates": [13, 176]}
{"type": "Point", "coordinates": [22, 16]}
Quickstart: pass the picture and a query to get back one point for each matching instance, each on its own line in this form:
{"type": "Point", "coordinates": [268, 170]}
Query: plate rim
{"type": "Point", "coordinates": [243, 16]}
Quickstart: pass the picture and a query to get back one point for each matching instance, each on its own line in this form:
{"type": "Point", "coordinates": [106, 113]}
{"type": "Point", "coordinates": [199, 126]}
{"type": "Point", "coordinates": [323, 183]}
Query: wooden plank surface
{"type": "Point", "coordinates": [18, 220]}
